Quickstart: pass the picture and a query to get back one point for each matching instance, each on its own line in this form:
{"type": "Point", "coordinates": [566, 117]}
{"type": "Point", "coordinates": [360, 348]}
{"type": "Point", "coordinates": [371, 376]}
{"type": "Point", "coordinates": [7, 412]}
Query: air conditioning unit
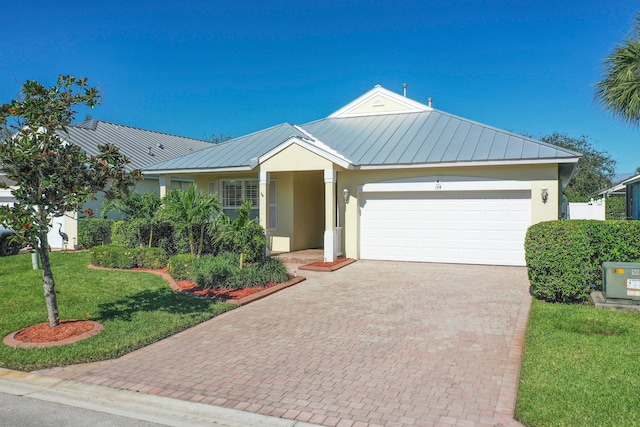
{"type": "Point", "coordinates": [621, 282]}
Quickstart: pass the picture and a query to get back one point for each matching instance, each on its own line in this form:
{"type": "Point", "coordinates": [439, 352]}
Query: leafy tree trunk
{"type": "Point", "coordinates": [47, 278]}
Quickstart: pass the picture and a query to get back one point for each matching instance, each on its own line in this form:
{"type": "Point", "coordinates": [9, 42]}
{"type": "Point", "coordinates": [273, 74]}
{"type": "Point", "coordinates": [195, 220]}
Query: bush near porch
{"type": "Point", "coordinates": [564, 258]}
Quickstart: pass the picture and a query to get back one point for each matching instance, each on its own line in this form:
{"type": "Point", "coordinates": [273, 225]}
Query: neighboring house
{"type": "Point", "coordinates": [142, 147]}
{"type": "Point", "coordinates": [628, 187]}
{"type": "Point", "coordinates": [387, 178]}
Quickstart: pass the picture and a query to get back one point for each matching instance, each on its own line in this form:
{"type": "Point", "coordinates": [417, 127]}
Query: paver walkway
{"type": "Point", "coordinates": [376, 343]}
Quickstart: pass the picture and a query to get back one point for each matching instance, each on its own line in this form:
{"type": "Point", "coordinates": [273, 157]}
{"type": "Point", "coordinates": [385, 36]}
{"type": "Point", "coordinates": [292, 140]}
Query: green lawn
{"type": "Point", "coordinates": [135, 308]}
{"type": "Point", "coordinates": [581, 367]}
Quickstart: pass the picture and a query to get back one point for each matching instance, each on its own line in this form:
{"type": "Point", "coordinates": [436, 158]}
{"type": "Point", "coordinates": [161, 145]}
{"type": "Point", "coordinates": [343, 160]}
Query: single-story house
{"type": "Point", "coordinates": [628, 187]}
{"type": "Point", "coordinates": [142, 147]}
{"type": "Point", "coordinates": [387, 178]}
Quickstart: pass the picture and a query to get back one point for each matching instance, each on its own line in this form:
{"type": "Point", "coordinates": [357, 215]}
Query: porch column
{"type": "Point", "coordinates": [165, 185]}
{"type": "Point", "coordinates": [330, 247]}
{"type": "Point", "coordinates": [263, 215]}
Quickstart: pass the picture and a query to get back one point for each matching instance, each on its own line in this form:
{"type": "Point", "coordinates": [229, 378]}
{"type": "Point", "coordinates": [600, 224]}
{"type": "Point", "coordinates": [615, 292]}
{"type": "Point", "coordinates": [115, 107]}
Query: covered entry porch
{"type": "Point", "coordinates": [299, 211]}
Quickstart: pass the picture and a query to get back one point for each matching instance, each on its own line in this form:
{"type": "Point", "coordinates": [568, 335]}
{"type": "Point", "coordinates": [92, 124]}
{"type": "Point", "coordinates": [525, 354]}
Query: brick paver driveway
{"type": "Point", "coordinates": [376, 343]}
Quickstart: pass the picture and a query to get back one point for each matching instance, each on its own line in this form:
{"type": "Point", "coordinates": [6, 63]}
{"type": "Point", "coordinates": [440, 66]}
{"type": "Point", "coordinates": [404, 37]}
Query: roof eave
{"type": "Point", "coordinates": [568, 160]}
{"type": "Point", "coordinates": [196, 170]}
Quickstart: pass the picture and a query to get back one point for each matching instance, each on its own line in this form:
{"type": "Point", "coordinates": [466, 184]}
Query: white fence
{"type": "Point", "coordinates": [595, 209]}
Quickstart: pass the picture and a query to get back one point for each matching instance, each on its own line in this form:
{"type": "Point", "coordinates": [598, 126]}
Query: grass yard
{"type": "Point", "coordinates": [135, 308]}
{"type": "Point", "coordinates": [581, 367]}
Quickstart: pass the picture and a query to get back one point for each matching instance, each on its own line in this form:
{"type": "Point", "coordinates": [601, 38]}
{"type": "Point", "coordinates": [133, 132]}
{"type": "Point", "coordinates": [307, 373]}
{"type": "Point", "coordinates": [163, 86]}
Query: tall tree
{"type": "Point", "coordinates": [51, 175]}
{"type": "Point", "coordinates": [619, 90]}
{"type": "Point", "coordinates": [594, 170]}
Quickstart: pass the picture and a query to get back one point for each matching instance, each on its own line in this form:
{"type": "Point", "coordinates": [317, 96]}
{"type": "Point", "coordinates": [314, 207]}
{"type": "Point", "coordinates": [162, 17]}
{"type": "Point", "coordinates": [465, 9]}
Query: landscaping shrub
{"type": "Point", "coordinates": [213, 271]}
{"type": "Point", "coordinates": [223, 271]}
{"type": "Point", "coordinates": [155, 258]}
{"type": "Point", "coordinates": [117, 256]}
{"type": "Point", "coordinates": [182, 266]}
{"type": "Point", "coordinates": [112, 256]}
{"type": "Point", "coordinates": [564, 258]}
{"type": "Point", "coordinates": [123, 234]}
{"type": "Point", "coordinates": [616, 208]}
{"type": "Point", "coordinates": [274, 270]}
{"type": "Point", "coordinates": [94, 231]}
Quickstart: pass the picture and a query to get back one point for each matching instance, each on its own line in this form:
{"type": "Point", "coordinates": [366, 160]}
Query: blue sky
{"type": "Point", "coordinates": [195, 68]}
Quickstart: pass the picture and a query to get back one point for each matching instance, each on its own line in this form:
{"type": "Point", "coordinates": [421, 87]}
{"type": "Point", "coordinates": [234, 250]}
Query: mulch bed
{"type": "Point", "coordinates": [234, 296]}
{"type": "Point", "coordinates": [328, 266]}
{"type": "Point", "coordinates": [42, 335]}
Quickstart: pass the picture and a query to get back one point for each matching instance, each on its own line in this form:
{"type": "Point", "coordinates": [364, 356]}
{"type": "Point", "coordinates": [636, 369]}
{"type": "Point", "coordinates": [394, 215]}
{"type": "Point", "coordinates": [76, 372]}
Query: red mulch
{"type": "Point", "coordinates": [42, 332]}
{"type": "Point", "coordinates": [219, 294]}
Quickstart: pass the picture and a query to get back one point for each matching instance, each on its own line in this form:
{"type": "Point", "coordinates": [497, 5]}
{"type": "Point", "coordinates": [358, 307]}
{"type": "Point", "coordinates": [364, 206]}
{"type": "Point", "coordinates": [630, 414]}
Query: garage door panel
{"type": "Point", "coordinates": [459, 227]}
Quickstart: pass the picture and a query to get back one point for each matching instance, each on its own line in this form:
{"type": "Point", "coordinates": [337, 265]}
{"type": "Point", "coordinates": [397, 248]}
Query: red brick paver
{"type": "Point", "coordinates": [376, 343]}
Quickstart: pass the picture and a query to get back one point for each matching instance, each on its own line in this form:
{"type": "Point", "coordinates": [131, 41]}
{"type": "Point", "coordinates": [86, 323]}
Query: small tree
{"type": "Point", "coordinates": [192, 211]}
{"type": "Point", "coordinates": [243, 235]}
{"type": "Point", "coordinates": [52, 176]}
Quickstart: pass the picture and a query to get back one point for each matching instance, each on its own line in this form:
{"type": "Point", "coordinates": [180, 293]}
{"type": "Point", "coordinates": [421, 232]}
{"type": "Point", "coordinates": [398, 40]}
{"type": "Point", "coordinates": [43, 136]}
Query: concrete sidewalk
{"type": "Point", "coordinates": [375, 343]}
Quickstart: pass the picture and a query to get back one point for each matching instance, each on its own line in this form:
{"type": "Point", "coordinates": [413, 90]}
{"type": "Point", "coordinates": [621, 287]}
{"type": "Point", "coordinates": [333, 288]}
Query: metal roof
{"type": "Point", "coordinates": [142, 147]}
{"type": "Point", "coordinates": [427, 137]}
{"type": "Point", "coordinates": [235, 153]}
{"type": "Point", "coordinates": [387, 139]}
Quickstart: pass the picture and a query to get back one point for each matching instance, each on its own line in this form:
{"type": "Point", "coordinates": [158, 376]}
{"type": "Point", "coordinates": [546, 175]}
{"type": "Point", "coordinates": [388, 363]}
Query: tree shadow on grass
{"type": "Point", "coordinates": [165, 300]}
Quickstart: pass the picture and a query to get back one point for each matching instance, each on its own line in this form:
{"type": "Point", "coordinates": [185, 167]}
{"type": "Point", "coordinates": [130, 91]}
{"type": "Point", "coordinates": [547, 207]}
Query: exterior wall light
{"type": "Point", "coordinates": [545, 194]}
{"type": "Point", "coordinates": [345, 193]}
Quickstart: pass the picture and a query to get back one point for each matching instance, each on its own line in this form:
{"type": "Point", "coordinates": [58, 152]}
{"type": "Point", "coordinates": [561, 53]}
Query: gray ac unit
{"type": "Point", "coordinates": [621, 282]}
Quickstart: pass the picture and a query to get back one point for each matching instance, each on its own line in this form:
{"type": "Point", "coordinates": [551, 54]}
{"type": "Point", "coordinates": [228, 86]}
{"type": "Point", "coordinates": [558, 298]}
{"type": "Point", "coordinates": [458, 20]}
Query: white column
{"type": "Point", "coordinates": [165, 185]}
{"type": "Point", "coordinates": [263, 183]}
{"type": "Point", "coordinates": [330, 249]}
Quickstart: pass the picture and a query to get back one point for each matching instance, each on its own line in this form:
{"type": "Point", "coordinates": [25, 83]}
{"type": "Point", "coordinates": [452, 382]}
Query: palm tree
{"type": "Point", "coordinates": [619, 91]}
{"type": "Point", "coordinates": [243, 235]}
{"type": "Point", "coordinates": [192, 211]}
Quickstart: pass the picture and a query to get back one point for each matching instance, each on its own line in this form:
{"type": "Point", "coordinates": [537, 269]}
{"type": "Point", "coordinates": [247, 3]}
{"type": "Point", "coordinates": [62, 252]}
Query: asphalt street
{"type": "Point", "coordinates": [22, 411]}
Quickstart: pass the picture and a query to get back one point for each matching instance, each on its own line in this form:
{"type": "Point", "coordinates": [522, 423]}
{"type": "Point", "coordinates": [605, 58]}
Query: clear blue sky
{"type": "Point", "coordinates": [195, 68]}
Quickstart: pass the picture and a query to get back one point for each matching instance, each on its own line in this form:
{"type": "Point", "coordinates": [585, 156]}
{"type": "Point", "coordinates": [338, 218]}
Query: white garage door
{"type": "Point", "coordinates": [469, 227]}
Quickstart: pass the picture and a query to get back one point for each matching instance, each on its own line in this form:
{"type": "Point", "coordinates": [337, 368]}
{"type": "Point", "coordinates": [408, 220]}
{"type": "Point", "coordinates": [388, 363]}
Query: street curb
{"type": "Point", "coordinates": [140, 406]}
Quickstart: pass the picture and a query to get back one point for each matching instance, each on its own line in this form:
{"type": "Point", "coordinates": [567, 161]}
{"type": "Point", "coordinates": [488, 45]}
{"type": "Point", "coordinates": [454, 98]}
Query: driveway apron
{"type": "Point", "coordinates": [375, 343]}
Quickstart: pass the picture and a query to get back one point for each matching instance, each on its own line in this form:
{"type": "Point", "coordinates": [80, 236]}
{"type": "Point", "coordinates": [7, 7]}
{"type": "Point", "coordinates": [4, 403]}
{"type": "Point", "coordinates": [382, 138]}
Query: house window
{"type": "Point", "coordinates": [235, 191]}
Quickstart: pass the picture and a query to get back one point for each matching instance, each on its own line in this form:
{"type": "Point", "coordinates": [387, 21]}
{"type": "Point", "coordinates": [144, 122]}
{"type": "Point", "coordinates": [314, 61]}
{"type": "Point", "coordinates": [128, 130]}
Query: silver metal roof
{"type": "Point", "coordinates": [235, 153]}
{"type": "Point", "coordinates": [142, 147]}
{"type": "Point", "coordinates": [428, 137]}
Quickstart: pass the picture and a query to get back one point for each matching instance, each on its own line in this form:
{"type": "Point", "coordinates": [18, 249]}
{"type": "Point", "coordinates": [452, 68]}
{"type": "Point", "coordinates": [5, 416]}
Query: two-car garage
{"type": "Point", "coordinates": [449, 221]}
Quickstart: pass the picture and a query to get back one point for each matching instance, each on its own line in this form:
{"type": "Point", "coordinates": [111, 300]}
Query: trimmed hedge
{"type": "Point", "coordinates": [117, 256]}
{"type": "Point", "coordinates": [182, 267]}
{"type": "Point", "coordinates": [564, 258]}
{"type": "Point", "coordinates": [94, 232]}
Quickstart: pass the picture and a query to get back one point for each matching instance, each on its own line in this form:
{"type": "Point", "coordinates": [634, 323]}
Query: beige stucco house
{"type": "Point", "coordinates": [387, 178]}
